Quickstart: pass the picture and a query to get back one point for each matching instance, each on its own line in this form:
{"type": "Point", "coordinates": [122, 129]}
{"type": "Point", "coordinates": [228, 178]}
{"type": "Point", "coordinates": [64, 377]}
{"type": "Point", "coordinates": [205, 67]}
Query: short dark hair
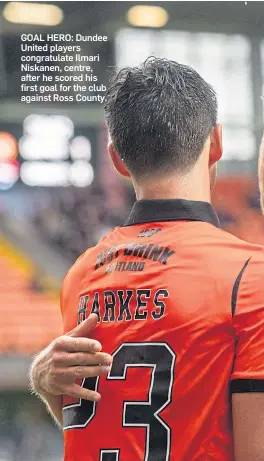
{"type": "Point", "coordinates": [159, 116]}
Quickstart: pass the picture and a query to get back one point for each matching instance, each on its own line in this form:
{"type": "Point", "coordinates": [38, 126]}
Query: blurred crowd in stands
{"type": "Point", "coordinates": [75, 219]}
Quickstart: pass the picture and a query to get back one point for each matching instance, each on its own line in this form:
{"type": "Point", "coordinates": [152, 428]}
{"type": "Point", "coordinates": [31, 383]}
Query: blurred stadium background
{"type": "Point", "coordinates": [58, 191]}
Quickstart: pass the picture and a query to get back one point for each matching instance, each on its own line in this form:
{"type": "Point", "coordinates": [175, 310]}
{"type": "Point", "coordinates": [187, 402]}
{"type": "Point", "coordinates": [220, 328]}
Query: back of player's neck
{"type": "Point", "coordinates": [186, 188]}
{"type": "Point", "coordinates": [187, 196]}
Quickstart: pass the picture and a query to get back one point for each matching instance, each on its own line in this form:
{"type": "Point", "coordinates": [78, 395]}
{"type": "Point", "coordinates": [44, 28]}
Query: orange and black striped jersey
{"type": "Point", "coordinates": [180, 306]}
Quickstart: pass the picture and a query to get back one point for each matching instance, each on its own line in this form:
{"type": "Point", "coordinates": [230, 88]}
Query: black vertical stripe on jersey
{"type": "Point", "coordinates": [240, 386]}
{"type": "Point", "coordinates": [236, 287]}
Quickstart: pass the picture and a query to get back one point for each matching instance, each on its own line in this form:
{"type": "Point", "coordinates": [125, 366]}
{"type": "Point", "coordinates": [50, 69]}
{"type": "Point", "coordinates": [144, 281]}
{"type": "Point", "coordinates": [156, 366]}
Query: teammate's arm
{"type": "Point", "coordinates": [247, 380]}
{"type": "Point", "coordinates": [52, 402]}
{"type": "Point", "coordinates": [261, 173]}
{"type": "Point", "coordinates": [55, 370]}
{"type": "Point", "coordinates": [248, 417]}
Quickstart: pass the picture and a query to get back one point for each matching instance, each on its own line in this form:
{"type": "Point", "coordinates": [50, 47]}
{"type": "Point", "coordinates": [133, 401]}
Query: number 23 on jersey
{"type": "Point", "coordinates": [160, 360]}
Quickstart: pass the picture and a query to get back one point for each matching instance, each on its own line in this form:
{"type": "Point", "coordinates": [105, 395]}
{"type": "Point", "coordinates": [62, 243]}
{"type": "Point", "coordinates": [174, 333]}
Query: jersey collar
{"type": "Point", "coordinates": [145, 211]}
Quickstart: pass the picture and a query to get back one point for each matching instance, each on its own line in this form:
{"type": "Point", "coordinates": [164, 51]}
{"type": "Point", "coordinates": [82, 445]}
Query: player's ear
{"type": "Point", "coordinates": [216, 147]}
{"type": "Point", "coordinates": [118, 163]}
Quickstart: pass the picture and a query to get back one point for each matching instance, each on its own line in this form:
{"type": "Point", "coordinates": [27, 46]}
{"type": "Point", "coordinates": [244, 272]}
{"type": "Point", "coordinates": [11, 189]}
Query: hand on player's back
{"type": "Point", "coordinates": [67, 358]}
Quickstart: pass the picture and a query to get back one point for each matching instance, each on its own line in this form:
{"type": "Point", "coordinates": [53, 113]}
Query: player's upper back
{"type": "Point", "coordinates": [171, 245]}
{"type": "Point", "coordinates": [173, 294]}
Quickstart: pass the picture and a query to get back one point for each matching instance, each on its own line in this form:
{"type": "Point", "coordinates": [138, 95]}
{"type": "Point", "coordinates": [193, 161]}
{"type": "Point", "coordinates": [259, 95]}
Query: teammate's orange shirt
{"type": "Point", "coordinates": [180, 305]}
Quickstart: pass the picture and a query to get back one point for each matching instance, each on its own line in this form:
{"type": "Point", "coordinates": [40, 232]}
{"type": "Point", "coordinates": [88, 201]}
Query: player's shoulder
{"type": "Point", "coordinates": [78, 269]}
{"type": "Point", "coordinates": [219, 240]}
{"type": "Point", "coordinates": [233, 255]}
{"type": "Point", "coordinates": [248, 287]}
{"type": "Point", "coordinates": [235, 244]}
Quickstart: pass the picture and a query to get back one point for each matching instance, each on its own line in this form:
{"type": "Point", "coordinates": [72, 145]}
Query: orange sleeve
{"type": "Point", "coordinates": [69, 294]}
{"type": "Point", "coordinates": [248, 321]}
{"type": "Point", "coordinates": [62, 294]}
{"type": "Point", "coordinates": [64, 297]}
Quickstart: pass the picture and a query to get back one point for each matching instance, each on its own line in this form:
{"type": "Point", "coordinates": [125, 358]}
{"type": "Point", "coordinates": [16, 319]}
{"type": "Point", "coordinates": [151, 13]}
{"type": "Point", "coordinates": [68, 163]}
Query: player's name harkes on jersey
{"type": "Point", "coordinates": [150, 252]}
{"type": "Point", "coordinates": [123, 305]}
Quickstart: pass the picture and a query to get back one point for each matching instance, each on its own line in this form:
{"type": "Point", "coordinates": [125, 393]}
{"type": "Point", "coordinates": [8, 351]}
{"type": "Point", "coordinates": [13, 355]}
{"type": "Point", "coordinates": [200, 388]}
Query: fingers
{"type": "Point", "coordinates": [83, 359]}
{"type": "Point", "coordinates": [85, 327]}
{"type": "Point", "coordinates": [87, 372]}
{"type": "Point", "coordinates": [72, 344]}
{"type": "Point", "coordinates": [71, 357]}
{"type": "Point", "coordinates": [64, 377]}
{"type": "Point", "coordinates": [83, 393]}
